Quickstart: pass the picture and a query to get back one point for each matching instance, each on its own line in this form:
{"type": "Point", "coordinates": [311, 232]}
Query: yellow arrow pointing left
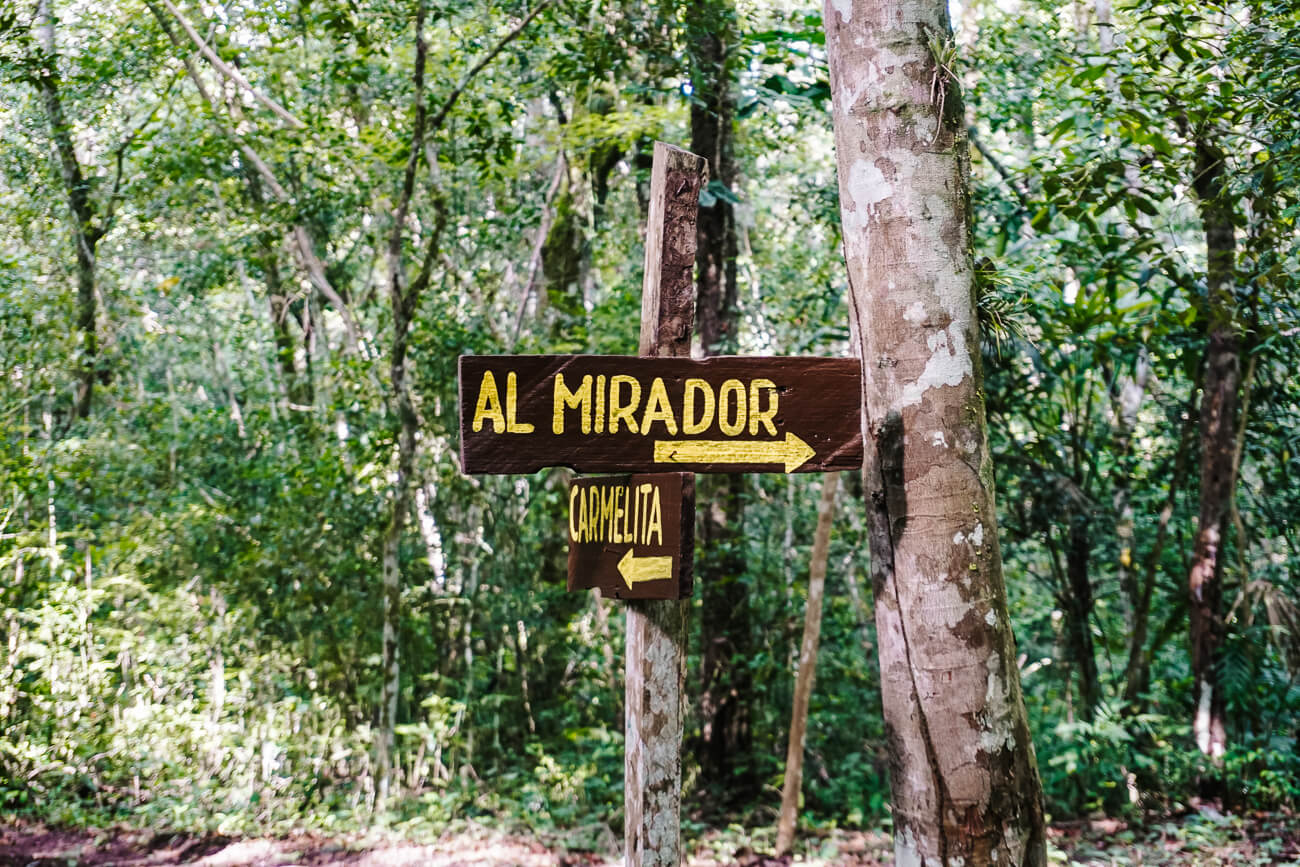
{"type": "Point", "coordinates": [636, 569]}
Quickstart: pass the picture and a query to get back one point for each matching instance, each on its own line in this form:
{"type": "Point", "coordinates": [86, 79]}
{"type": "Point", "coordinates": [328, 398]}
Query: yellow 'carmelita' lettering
{"type": "Point", "coordinates": [654, 534]}
{"type": "Point", "coordinates": [617, 514]}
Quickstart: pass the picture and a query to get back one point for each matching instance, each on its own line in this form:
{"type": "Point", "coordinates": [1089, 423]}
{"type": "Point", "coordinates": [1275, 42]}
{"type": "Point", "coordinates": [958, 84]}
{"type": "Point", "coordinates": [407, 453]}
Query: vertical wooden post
{"type": "Point", "coordinates": [656, 630]}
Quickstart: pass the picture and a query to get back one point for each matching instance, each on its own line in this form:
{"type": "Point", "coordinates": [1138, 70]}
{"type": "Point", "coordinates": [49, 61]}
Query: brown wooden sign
{"type": "Point", "coordinates": [605, 413]}
{"type": "Point", "coordinates": [632, 536]}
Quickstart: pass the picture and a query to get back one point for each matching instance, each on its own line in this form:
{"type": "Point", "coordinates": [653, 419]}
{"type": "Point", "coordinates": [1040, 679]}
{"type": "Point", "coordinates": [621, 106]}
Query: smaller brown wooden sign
{"type": "Point", "coordinates": [633, 536]}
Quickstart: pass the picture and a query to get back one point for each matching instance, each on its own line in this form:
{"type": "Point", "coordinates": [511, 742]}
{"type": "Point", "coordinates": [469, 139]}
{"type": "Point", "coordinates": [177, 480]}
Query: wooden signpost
{"type": "Point", "coordinates": [594, 413]}
{"type": "Point", "coordinates": [632, 536]}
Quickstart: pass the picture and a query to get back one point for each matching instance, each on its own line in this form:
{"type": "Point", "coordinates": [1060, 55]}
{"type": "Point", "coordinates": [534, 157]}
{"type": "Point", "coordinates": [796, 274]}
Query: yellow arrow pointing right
{"type": "Point", "coordinates": [636, 569]}
{"type": "Point", "coordinates": [792, 452]}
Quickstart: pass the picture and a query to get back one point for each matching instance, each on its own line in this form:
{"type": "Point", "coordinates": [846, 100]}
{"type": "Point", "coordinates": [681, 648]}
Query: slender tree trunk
{"type": "Point", "coordinates": [812, 628]}
{"type": "Point", "coordinates": [1127, 396]}
{"type": "Point", "coordinates": [712, 118]}
{"type": "Point", "coordinates": [392, 567]}
{"type": "Point", "coordinates": [268, 261]}
{"type": "Point", "coordinates": [404, 300]}
{"type": "Point", "coordinates": [404, 297]}
{"type": "Point", "coordinates": [964, 777]}
{"type": "Point", "coordinates": [725, 629]}
{"type": "Point", "coordinates": [85, 234]}
{"type": "Point", "coordinates": [1078, 601]}
{"type": "Point", "coordinates": [1219, 399]}
{"type": "Point", "coordinates": [1137, 669]}
{"type": "Point", "coordinates": [1127, 393]}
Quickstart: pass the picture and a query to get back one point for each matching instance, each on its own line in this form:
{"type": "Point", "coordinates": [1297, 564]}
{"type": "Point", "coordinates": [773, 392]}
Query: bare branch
{"type": "Point", "coordinates": [417, 146]}
{"type": "Point", "coordinates": [441, 117]}
{"type": "Point", "coordinates": [119, 153]}
{"type": "Point", "coordinates": [316, 273]}
{"type": "Point", "coordinates": [302, 240]}
{"type": "Point", "coordinates": [230, 72]}
{"type": "Point", "coordinates": [535, 262]}
{"type": "Point", "coordinates": [1002, 170]}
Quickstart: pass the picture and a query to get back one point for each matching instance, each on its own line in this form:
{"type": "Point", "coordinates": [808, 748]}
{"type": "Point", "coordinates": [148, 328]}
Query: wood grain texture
{"type": "Point", "coordinates": [617, 414]}
{"type": "Point", "coordinates": [668, 292]}
{"type": "Point", "coordinates": [656, 630]}
{"type": "Point", "coordinates": [625, 529]}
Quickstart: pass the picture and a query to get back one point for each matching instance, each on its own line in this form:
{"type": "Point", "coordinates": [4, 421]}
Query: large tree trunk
{"type": "Point", "coordinates": [85, 234]}
{"type": "Point", "coordinates": [1219, 398]}
{"type": "Point", "coordinates": [964, 777]}
{"type": "Point", "coordinates": [812, 630]}
{"type": "Point", "coordinates": [725, 627]}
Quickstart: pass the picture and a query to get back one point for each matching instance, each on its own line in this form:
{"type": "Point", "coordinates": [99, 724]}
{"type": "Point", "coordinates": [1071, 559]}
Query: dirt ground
{"type": "Point", "coordinates": [1197, 839]}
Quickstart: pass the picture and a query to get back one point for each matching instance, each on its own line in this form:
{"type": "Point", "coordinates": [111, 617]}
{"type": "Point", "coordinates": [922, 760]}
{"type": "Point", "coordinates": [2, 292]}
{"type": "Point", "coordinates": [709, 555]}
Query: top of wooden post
{"type": "Point", "coordinates": [668, 290]}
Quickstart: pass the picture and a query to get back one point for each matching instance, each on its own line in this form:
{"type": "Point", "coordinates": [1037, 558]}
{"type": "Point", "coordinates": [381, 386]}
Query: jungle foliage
{"type": "Point", "coordinates": [199, 431]}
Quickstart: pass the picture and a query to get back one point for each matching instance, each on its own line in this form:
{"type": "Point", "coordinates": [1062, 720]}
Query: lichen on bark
{"type": "Point", "coordinates": [965, 782]}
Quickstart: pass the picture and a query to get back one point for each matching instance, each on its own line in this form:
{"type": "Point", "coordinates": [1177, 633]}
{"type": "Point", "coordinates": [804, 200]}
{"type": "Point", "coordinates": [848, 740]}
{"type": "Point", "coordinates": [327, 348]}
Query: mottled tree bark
{"type": "Point", "coordinates": [656, 629]}
{"type": "Point", "coordinates": [812, 629]}
{"type": "Point", "coordinates": [1219, 398]}
{"type": "Point", "coordinates": [964, 778]}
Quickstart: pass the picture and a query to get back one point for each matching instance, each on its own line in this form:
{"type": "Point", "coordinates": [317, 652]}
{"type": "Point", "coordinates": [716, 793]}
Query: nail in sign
{"type": "Point", "coordinates": [521, 413]}
{"type": "Point", "coordinates": [632, 536]}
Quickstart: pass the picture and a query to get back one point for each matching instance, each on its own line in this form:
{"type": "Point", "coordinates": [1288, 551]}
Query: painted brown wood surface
{"type": "Point", "coordinates": [656, 629]}
{"type": "Point", "coordinates": [617, 414]}
{"type": "Point", "coordinates": [632, 536]}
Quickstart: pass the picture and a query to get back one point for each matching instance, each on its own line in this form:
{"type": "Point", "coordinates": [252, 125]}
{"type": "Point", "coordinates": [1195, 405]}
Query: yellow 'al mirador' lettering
{"type": "Point", "coordinates": [489, 408]}
{"type": "Point", "coordinates": [691, 423]}
{"type": "Point", "coordinates": [658, 409]}
{"type": "Point", "coordinates": [614, 403]}
{"type": "Point", "coordinates": [757, 416]}
{"type": "Point", "coordinates": [512, 404]}
{"type": "Point", "coordinates": [619, 411]}
{"type": "Point", "coordinates": [565, 399]}
{"type": "Point", "coordinates": [732, 426]}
